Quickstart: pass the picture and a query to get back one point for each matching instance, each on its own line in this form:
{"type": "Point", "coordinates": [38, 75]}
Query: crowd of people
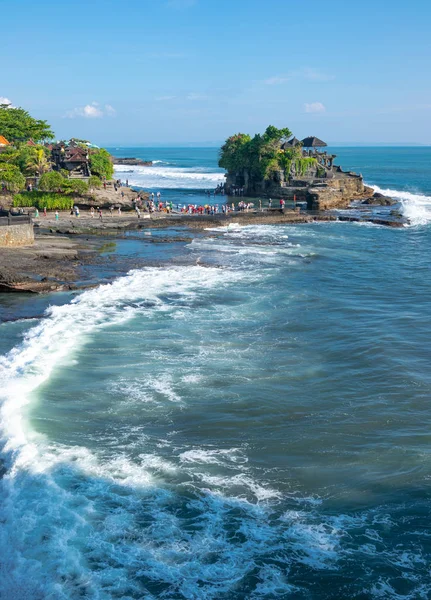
{"type": "Point", "coordinates": [153, 203]}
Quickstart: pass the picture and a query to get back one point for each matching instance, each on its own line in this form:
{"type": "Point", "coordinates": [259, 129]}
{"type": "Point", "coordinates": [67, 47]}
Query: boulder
{"type": "Point", "coordinates": [109, 197]}
{"type": "Point", "coordinates": [378, 199]}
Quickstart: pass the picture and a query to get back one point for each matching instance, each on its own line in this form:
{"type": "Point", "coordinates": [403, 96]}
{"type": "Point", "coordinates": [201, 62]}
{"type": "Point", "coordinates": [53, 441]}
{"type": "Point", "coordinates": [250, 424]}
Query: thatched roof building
{"type": "Point", "coordinates": [289, 144]}
{"type": "Point", "coordinates": [313, 142]}
{"type": "Point", "coordinates": [72, 158]}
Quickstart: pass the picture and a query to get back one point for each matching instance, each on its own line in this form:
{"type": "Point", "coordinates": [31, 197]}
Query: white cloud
{"type": "Point", "coordinates": [276, 80]}
{"type": "Point", "coordinates": [110, 110]}
{"type": "Point", "coordinates": [305, 73]}
{"type": "Point", "coordinates": [192, 96]}
{"type": "Point", "coordinates": [91, 111]}
{"type": "Point", "coordinates": [314, 107]}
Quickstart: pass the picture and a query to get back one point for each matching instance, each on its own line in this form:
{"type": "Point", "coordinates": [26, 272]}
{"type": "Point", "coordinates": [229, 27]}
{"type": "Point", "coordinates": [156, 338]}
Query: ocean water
{"type": "Point", "coordinates": [183, 174]}
{"type": "Point", "coordinates": [250, 420]}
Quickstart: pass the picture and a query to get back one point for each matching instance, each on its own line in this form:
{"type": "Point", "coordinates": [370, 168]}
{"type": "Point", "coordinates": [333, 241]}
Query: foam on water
{"type": "Point", "coordinates": [40, 514]}
{"type": "Point", "coordinates": [415, 207]}
{"type": "Point", "coordinates": [165, 177]}
{"type": "Point", "coordinates": [189, 522]}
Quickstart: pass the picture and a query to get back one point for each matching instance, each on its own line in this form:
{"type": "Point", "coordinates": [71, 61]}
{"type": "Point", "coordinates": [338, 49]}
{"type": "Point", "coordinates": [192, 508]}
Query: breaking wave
{"type": "Point", "coordinates": [415, 207]}
{"type": "Point", "coordinates": [164, 177]}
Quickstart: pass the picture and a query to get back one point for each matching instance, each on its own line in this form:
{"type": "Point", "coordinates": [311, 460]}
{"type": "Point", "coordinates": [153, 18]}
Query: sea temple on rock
{"type": "Point", "coordinates": [300, 170]}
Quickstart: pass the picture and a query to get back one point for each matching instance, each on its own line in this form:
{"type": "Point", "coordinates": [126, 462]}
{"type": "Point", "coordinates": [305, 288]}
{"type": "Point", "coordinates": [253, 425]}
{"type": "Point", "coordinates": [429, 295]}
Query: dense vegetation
{"type": "Point", "coordinates": [41, 200]}
{"type": "Point", "coordinates": [21, 160]}
{"type": "Point", "coordinates": [101, 164]}
{"type": "Point", "coordinates": [18, 126]}
{"type": "Point", "coordinates": [11, 177]}
{"type": "Point", "coordinates": [262, 155]}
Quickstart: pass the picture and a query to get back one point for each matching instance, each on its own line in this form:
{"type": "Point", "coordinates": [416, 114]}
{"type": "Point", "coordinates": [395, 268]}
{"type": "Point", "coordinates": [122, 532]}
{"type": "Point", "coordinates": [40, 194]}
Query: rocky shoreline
{"type": "Point", "coordinates": [65, 247]}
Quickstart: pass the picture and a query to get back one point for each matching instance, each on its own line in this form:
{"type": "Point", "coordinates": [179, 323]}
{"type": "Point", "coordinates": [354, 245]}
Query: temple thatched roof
{"type": "Point", "coordinates": [313, 142]}
{"type": "Point", "coordinates": [292, 142]}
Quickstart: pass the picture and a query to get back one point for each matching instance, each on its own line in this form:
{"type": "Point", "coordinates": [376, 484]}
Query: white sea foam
{"type": "Point", "coordinates": [159, 177]}
{"type": "Point", "coordinates": [213, 456]}
{"type": "Point", "coordinates": [44, 526]}
{"type": "Point", "coordinates": [415, 207]}
{"type": "Point", "coordinates": [82, 524]}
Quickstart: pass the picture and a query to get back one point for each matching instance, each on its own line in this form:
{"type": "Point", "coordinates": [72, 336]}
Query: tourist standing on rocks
{"type": "Point", "coordinates": [270, 203]}
{"type": "Point", "coordinates": [44, 211]}
{"type": "Point", "coordinates": [56, 215]}
{"type": "Point", "coordinates": [100, 214]}
{"type": "Point", "coordinates": [92, 212]}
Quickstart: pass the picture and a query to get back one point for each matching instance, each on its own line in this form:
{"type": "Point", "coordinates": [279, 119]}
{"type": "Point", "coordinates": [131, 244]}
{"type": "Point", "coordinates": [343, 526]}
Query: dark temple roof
{"type": "Point", "coordinates": [313, 142]}
{"type": "Point", "coordinates": [292, 142]}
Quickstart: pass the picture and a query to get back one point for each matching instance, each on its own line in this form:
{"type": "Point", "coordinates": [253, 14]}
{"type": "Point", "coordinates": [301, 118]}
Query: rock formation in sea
{"type": "Point", "coordinates": [271, 166]}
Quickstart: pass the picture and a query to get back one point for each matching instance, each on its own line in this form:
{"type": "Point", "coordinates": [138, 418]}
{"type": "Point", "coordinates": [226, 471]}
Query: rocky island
{"type": "Point", "coordinates": [278, 165]}
{"type": "Point", "coordinates": [132, 162]}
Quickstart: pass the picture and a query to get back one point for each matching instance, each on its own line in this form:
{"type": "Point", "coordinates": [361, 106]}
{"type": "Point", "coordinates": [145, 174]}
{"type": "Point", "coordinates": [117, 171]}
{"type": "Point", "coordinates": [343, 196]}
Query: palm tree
{"type": "Point", "coordinates": [38, 164]}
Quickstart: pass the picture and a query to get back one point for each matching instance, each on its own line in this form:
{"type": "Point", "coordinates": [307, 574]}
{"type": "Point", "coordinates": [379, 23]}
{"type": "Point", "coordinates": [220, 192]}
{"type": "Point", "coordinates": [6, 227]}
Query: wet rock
{"type": "Point", "coordinates": [378, 199]}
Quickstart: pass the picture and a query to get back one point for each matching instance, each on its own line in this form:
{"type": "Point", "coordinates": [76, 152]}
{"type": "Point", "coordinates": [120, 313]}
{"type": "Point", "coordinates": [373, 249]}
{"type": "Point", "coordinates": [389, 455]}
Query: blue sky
{"type": "Point", "coordinates": [174, 71]}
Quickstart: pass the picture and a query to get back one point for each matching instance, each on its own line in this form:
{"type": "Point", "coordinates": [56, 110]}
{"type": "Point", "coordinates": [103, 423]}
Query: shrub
{"type": "Point", "coordinates": [74, 185]}
{"type": "Point", "coordinates": [51, 182]}
{"type": "Point", "coordinates": [94, 182]}
{"type": "Point", "coordinates": [42, 200]}
{"type": "Point", "coordinates": [101, 164]}
{"type": "Point", "coordinates": [11, 177]}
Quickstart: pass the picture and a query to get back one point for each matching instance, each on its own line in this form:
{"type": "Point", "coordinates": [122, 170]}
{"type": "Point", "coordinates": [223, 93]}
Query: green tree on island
{"type": "Point", "coordinates": [16, 124]}
{"type": "Point", "coordinates": [262, 156]}
{"type": "Point", "coordinates": [101, 163]}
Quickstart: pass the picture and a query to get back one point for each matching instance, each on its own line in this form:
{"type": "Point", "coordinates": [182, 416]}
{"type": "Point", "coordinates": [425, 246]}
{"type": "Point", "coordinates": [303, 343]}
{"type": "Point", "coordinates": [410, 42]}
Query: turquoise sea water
{"type": "Point", "coordinates": [250, 420]}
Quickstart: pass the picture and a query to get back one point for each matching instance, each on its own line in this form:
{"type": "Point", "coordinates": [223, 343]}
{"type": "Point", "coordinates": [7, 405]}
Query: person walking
{"type": "Point", "coordinates": [56, 215]}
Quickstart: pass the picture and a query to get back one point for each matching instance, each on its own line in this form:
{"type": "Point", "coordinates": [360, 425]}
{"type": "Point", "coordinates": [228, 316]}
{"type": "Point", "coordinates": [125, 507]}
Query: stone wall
{"type": "Point", "coordinates": [13, 236]}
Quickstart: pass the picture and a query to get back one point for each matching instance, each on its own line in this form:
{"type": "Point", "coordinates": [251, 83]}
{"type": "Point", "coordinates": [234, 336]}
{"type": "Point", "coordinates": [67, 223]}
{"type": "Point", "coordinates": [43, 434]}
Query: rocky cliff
{"type": "Point", "coordinates": [335, 191]}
